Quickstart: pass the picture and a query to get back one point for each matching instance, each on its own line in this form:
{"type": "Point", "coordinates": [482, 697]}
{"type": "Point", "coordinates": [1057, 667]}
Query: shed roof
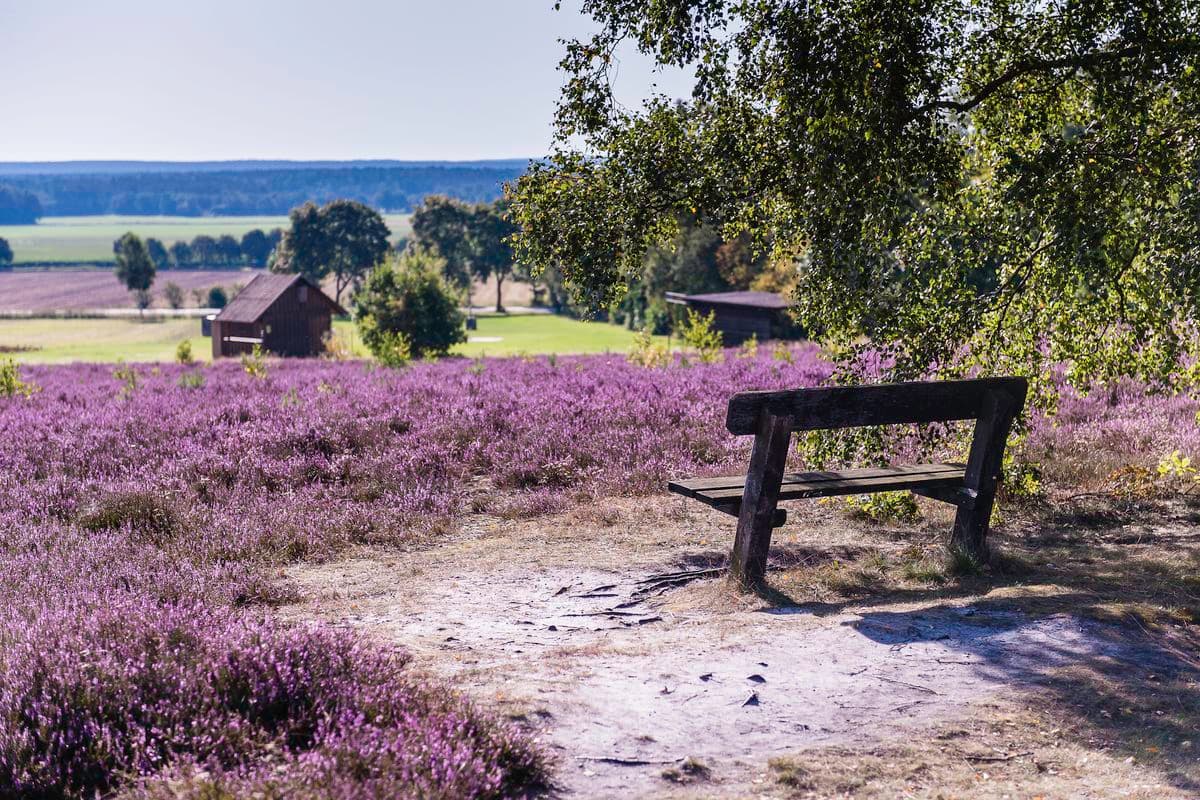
{"type": "Point", "coordinates": [253, 301]}
{"type": "Point", "coordinates": [767, 300]}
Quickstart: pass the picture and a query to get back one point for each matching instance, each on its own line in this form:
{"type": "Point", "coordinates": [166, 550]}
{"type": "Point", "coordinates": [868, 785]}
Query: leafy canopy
{"type": "Point", "coordinates": [963, 183]}
{"type": "Point", "coordinates": [134, 266]}
{"type": "Point", "coordinates": [343, 238]}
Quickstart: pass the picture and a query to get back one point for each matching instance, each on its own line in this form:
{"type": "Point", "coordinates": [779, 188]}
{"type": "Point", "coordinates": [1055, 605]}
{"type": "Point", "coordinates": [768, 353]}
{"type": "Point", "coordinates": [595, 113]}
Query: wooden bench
{"type": "Point", "coordinates": [772, 417]}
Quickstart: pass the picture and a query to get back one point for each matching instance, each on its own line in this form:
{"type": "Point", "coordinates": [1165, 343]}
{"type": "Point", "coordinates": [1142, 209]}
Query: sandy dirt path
{"type": "Point", "coordinates": [639, 686]}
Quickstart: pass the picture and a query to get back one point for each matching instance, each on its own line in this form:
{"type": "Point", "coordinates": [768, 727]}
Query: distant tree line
{"type": "Point", "coordinates": [244, 192]}
{"type": "Point", "coordinates": [18, 206]}
{"type": "Point", "coordinates": [207, 252]}
{"type": "Point", "coordinates": [135, 267]}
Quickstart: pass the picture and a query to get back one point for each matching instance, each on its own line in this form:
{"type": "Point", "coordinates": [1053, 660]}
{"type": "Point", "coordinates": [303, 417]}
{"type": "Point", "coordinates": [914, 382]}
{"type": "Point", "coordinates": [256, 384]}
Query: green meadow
{"type": "Point", "coordinates": [37, 341]}
{"type": "Point", "coordinates": [67, 240]}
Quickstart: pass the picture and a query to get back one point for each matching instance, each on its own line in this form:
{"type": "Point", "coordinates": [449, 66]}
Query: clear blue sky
{"type": "Point", "coordinates": [302, 79]}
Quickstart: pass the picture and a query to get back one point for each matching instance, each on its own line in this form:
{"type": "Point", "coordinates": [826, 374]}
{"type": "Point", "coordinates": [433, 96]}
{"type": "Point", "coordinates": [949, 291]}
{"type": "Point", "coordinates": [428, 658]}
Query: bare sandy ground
{"type": "Point", "coordinates": [643, 683]}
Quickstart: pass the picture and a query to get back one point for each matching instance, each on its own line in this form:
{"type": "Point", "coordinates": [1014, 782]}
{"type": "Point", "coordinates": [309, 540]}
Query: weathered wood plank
{"type": "Point", "coordinates": [691, 486]}
{"type": "Point", "coordinates": [748, 562]}
{"type": "Point", "coordinates": [802, 491]}
{"type": "Point", "coordinates": [794, 487]}
{"type": "Point", "coordinates": [854, 406]}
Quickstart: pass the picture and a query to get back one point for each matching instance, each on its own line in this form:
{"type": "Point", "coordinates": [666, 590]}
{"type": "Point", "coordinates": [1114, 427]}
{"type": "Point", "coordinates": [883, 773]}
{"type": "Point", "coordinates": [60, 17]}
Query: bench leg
{"type": "Point", "coordinates": [971, 528]}
{"type": "Point", "coordinates": [984, 466]}
{"type": "Point", "coordinates": [748, 563]}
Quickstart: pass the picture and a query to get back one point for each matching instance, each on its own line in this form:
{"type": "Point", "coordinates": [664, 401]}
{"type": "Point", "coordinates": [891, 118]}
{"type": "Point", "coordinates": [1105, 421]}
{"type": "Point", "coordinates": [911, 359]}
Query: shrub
{"type": "Point", "coordinates": [393, 349]}
{"type": "Point", "coordinates": [884, 507]}
{"type": "Point", "coordinates": [147, 513]}
{"type": "Point", "coordinates": [645, 353]}
{"type": "Point", "coordinates": [254, 363]}
{"type": "Point", "coordinates": [128, 377]}
{"type": "Point", "coordinates": [409, 297]}
{"type": "Point", "coordinates": [115, 693]}
{"type": "Point", "coordinates": [11, 384]}
{"type": "Point", "coordinates": [173, 294]}
{"type": "Point", "coordinates": [217, 298]}
{"type": "Point", "coordinates": [183, 353]}
{"type": "Point", "coordinates": [698, 333]}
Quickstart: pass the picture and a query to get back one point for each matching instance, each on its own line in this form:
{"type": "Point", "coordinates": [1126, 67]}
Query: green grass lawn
{"type": "Point", "coordinates": [73, 239]}
{"type": "Point", "coordinates": [64, 340]}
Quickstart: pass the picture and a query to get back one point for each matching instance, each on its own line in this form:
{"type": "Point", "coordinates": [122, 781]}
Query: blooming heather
{"type": "Point", "coordinates": [145, 521]}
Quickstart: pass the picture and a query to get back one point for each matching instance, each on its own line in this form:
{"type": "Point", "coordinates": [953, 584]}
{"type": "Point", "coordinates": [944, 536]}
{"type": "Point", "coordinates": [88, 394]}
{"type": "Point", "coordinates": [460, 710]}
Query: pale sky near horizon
{"type": "Point", "coordinates": [288, 79]}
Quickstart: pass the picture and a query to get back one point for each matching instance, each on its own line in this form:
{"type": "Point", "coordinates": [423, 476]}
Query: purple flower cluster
{"type": "Point", "coordinates": [146, 521]}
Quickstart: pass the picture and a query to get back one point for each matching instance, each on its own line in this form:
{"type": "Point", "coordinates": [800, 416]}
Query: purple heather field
{"type": "Point", "coordinates": [146, 520]}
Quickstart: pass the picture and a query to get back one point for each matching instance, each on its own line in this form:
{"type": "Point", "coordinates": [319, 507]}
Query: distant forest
{"type": "Point", "coordinates": [237, 188]}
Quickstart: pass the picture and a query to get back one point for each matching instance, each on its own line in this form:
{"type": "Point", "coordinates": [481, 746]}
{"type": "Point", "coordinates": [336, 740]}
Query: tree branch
{"type": "Point", "coordinates": [1028, 67]}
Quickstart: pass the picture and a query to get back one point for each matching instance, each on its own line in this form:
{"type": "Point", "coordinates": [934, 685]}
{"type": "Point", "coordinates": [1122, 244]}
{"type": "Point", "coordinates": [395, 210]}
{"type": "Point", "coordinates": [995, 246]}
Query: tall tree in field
{"type": "Point", "coordinates": [229, 252]}
{"type": "Point", "coordinates": [6, 255]}
{"type": "Point", "coordinates": [256, 247]}
{"type": "Point", "coordinates": [441, 224]}
{"type": "Point", "coordinates": [343, 238]}
{"type": "Point", "coordinates": [181, 255]}
{"type": "Point", "coordinates": [488, 237]}
{"type": "Point", "coordinates": [204, 250]}
{"type": "Point", "coordinates": [359, 241]}
{"type": "Point", "coordinates": [158, 253]}
{"type": "Point", "coordinates": [971, 183]}
{"type": "Point", "coordinates": [134, 268]}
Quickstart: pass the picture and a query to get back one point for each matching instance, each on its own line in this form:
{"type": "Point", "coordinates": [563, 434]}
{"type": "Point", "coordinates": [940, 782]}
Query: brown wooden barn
{"type": "Point", "coordinates": [740, 315]}
{"type": "Point", "coordinates": [287, 315]}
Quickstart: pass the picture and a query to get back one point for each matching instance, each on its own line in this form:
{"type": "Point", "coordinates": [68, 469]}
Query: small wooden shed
{"type": "Point", "coordinates": [287, 315]}
{"type": "Point", "coordinates": [740, 315]}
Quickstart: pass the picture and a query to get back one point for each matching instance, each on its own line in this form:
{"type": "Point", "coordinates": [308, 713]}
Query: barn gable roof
{"type": "Point", "coordinates": [261, 293]}
{"type": "Point", "coordinates": [767, 300]}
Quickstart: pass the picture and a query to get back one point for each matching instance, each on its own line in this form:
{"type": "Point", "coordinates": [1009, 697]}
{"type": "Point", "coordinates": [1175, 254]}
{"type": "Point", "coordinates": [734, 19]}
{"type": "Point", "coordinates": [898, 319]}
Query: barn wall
{"type": "Point", "coordinates": [223, 329]}
{"type": "Point", "coordinates": [736, 323]}
{"type": "Point", "coordinates": [295, 328]}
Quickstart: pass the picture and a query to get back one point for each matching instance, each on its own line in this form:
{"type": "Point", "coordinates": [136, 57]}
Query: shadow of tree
{"type": "Point", "coordinates": [1092, 621]}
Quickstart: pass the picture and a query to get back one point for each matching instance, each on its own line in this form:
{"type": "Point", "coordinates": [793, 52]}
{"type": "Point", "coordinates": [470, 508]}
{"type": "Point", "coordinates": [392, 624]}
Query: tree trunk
{"type": "Point", "coordinates": [499, 285]}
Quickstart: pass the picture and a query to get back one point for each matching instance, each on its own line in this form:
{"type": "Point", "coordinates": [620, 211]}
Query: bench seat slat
{"type": "Point", "coordinates": [798, 485]}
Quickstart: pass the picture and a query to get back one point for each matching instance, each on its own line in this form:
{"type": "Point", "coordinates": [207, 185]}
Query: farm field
{"type": "Point", "coordinates": [49, 290]}
{"type": "Point", "coordinates": [68, 240]}
{"type": "Point", "coordinates": [108, 340]}
{"type": "Point", "coordinates": [305, 561]}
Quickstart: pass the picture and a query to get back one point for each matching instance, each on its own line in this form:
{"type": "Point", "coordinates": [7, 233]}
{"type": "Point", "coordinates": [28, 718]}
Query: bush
{"type": "Point", "coordinates": [698, 333]}
{"type": "Point", "coordinates": [173, 294]}
{"type": "Point", "coordinates": [254, 363]}
{"type": "Point", "coordinates": [217, 298]}
{"type": "Point", "coordinates": [409, 297]}
{"type": "Point", "coordinates": [646, 353]}
{"type": "Point", "coordinates": [11, 384]}
{"type": "Point", "coordinates": [183, 353]}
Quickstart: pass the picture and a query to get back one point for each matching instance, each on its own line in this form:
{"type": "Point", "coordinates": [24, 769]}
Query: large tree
{"type": "Point", "coordinates": [135, 268]}
{"type": "Point", "coordinates": [343, 238]}
{"type": "Point", "coordinates": [256, 247]}
{"type": "Point", "coordinates": [441, 224]}
{"type": "Point", "coordinates": [489, 236]}
{"type": "Point", "coordinates": [965, 183]}
{"type": "Point", "coordinates": [158, 253]}
{"type": "Point", "coordinates": [472, 240]}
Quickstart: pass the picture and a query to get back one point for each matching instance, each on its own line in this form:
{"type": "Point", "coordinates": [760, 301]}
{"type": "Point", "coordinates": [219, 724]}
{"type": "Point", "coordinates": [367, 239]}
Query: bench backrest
{"type": "Point", "coordinates": [880, 404]}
